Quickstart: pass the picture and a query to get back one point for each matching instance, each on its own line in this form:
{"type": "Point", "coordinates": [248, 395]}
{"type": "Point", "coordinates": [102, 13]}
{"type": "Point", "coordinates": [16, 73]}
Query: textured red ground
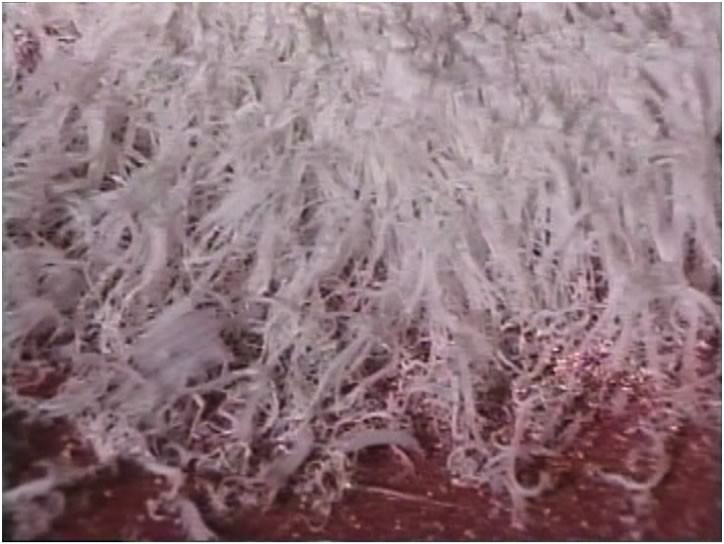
{"type": "Point", "coordinates": [686, 506]}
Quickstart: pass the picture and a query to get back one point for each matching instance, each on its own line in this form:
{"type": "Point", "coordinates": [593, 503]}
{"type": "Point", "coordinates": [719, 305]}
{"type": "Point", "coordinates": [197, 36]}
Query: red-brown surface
{"type": "Point", "coordinates": [388, 501]}
{"type": "Point", "coordinates": [686, 505]}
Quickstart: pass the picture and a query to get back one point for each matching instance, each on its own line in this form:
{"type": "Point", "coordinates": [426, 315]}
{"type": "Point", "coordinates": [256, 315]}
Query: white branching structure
{"type": "Point", "coordinates": [261, 238]}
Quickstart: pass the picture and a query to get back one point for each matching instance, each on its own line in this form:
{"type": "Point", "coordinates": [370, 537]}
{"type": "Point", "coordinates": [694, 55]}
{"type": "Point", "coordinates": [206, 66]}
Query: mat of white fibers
{"type": "Point", "coordinates": [266, 237]}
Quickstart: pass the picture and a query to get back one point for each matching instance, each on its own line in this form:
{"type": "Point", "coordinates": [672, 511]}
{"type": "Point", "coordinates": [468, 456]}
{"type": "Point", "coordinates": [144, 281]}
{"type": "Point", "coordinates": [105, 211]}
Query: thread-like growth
{"type": "Point", "coordinates": [291, 231]}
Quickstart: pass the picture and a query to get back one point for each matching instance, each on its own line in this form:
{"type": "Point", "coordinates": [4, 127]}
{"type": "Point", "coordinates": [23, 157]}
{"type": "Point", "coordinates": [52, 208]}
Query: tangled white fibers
{"type": "Point", "coordinates": [262, 237]}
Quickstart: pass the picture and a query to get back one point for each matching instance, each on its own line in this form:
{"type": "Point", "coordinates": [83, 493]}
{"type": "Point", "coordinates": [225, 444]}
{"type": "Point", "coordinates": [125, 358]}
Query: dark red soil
{"type": "Point", "coordinates": [686, 505]}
